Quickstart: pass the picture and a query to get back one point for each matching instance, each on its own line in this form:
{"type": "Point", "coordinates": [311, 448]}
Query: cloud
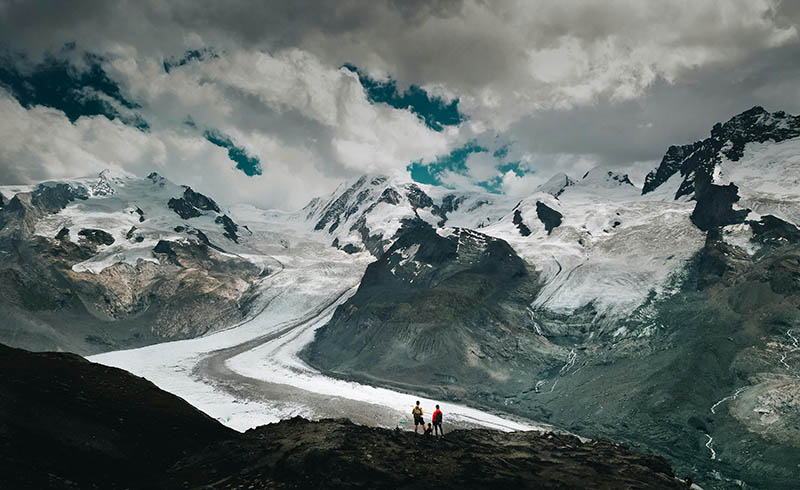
{"type": "Point", "coordinates": [285, 116]}
{"type": "Point", "coordinates": [436, 111]}
{"type": "Point", "coordinates": [77, 90]}
{"type": "Point", "coordinates": [561, 84]}
{"type": "Point", "coordinates": [248, 164]}
{"type": "Point", "coordinates": [41, 143]}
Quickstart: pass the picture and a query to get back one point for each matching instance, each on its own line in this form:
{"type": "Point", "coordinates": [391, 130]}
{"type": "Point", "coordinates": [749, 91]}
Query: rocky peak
{"type": "Point", "coordinates": [155, 178]}
{"type": "Point", "coordinates": [696, 162]}
{"type": "Point", "coordinates": [53, 197]}
{"type": "Point", "coordinates": [369, 212]}
{"type": "Point", "coordinates": [755, 125]}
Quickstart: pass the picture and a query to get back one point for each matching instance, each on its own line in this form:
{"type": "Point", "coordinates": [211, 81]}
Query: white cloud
{"type": "Point", "coordinates": [348, 135]}
{"type": "Point", "coordinates": [41, 143]}
{"type": "Point", "coordinates": [482, 166]}
{"type": "Point", "coordinates": [277, 90]}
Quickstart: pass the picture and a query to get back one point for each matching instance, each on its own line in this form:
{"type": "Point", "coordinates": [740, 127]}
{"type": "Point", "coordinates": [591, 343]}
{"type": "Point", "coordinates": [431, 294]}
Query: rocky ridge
{"type": "Point", "coordinates": [68, 423]}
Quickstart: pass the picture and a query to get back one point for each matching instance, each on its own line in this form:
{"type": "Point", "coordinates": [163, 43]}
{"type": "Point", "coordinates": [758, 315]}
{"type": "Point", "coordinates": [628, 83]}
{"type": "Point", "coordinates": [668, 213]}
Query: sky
{"type": "Point", "coordinates": [274, 103]}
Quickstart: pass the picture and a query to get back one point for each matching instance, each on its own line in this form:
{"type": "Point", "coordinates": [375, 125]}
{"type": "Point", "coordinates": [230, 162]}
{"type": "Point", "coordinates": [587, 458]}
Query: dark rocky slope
{"type": "Point", "coordinates": [434, 311]}
{"type": "Point", "coordinates": [69, 423]}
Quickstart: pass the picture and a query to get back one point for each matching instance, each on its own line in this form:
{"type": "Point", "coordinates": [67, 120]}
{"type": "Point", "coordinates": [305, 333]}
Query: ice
{"type": "Point", "coordinates": [768, 178]}
{"type": "Point", "coordinates": [589, 260]}
{"type": "Point", "coordinates": [303, 277]}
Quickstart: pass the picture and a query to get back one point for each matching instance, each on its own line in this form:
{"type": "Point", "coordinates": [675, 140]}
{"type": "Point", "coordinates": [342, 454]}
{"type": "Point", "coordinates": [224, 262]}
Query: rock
{"type": "Point", "coordinates": [230, 227]}
{"type": "Point", "coordinates": [521, 226]}
{"type": "Point", "coordinates": [200, 201]}
{"type": "Point", "coordinates": [183, 208]}
{"type": "Point", "coordinates": [97, 237]}
{"type": "Point", "coordinates": [775, 231]}
{"type": "Point", "coordinates": [54, 198]}
{"type": "Point", "coordinates": [70, 423]}
{"type": "Point", "coordinates": [549, 216]}
{"type": "Point", "coordinates": [715, 207]}
{"type": "Point", "coordinates": [165, 247]}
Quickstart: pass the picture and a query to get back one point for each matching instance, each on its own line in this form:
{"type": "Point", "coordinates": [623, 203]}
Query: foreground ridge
{"type": "Point", "coordinates": [69, 423]}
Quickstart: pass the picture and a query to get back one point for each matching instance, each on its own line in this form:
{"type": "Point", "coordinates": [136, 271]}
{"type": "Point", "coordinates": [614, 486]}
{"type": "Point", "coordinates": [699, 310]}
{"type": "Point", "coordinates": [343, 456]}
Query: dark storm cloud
{"type": "Point", "coordinates": [622, 133]}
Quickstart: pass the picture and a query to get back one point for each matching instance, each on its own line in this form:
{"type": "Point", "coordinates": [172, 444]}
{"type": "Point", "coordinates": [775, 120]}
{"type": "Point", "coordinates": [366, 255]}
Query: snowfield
{"type": "Point", "coordinates": [768, 178]}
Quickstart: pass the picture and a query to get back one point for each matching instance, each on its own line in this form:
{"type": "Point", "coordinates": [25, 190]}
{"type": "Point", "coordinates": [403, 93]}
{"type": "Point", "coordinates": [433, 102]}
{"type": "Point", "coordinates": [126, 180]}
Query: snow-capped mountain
{"type": "Point", "coordinates": [678, 302]}
{"type": "Point", "coordinates": [595, 240]}
{"type": "Point", "coordinates": [688, 169]}
{"type": "Point", "coordinates": [94, 263]}
{"type": "Point", "coordinates": [368, 213]}
{"type": "Point", "coordinates": [587, 301]}
{"type": "Point", "coordinates": [746, 168]}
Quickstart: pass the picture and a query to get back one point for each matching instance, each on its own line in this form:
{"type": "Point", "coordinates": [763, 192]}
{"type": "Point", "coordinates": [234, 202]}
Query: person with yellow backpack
{"type": "Point", "coordinates": [418, 420]}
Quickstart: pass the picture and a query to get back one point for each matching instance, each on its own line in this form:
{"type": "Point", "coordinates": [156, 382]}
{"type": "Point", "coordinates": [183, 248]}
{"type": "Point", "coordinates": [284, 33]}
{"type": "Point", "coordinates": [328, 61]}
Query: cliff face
{"type": "Point", "coordinates": [69, 423]}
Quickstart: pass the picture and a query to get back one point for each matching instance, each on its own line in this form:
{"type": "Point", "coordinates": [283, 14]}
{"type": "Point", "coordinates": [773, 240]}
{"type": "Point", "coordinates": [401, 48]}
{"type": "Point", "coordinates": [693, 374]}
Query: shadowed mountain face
{"type": "Point", "coordinates": [434, 309]}
{"type": "Point", "coordinates": [68, 423]}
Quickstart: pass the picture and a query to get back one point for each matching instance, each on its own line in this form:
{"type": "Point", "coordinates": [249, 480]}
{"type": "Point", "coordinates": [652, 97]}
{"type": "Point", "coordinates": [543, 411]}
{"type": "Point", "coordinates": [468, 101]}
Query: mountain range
{"type": "Point", "coordinates": [666, 317]}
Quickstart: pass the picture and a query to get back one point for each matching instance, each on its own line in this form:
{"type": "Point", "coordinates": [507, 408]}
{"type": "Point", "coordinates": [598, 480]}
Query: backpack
{"type": "Point", "coordinates": [437, 417]}
{"type": "Point", "coordinates": [416, 410]}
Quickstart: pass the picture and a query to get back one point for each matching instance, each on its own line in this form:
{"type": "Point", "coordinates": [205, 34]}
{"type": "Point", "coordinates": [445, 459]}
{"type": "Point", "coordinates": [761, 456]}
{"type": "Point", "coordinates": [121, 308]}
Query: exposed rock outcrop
{"type": "Point", "coordinates": [696, 161]}
{"type": "Point", "coordinates": [548, 216]}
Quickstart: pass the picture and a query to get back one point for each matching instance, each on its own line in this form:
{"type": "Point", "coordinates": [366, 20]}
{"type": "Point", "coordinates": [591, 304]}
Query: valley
{"type": "Point", "coordinates": [665, 317]}
{"type": "Point", "coordinates": [250, 375]}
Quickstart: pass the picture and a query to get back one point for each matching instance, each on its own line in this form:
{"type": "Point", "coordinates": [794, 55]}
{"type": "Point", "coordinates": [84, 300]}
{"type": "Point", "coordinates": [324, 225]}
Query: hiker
{"type": "Point", "coordinates": [437, 421]}
{"type": "Point", "coordinates": [429, 430]}
{"type": "Point", "coordinates": [417, 413]}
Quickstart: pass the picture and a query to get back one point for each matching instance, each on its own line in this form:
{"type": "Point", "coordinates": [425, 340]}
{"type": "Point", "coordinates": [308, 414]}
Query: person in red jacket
{"type": "Point", "coordinates": [437, 421]}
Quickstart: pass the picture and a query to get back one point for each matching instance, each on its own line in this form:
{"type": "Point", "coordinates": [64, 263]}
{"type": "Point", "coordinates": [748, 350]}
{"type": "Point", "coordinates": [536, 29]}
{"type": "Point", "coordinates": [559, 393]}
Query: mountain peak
{"type": "Point", "coordinates": [604, 178]}
{"type": "Point", "coordinates": [556, 185]}
{"type": "Point", "coordinates": [697, 161]}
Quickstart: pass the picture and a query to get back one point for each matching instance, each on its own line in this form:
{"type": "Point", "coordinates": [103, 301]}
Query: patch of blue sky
{"type": "Point", "coordinates": [76, 91]}
{"type": "Point", "coordinates": [248, 164]}
{"type": "Point", "coordinates": [456, 162]}
{"type": "Point", "coordinates": [434, 111]}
